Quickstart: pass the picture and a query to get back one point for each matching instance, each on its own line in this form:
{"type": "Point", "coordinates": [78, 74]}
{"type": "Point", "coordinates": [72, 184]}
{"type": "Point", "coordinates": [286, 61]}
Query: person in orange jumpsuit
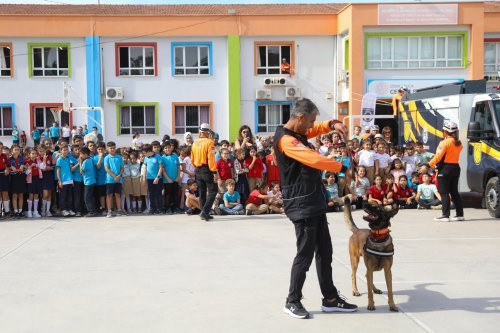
{"type": "Point", "coordinates": [446, 160]}
{"type": "Point", "coordinates": [285, 66]}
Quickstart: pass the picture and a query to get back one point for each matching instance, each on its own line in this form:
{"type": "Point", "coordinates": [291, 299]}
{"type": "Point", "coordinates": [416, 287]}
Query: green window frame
{"type": "Point", "coordinates": [124, 128]}
{"type": "Point", "coordinates": [346, 54]}
{"type": "Point", "coordinates": [58, 69]}
{"type": "Point", "coordinates": [417, 36]}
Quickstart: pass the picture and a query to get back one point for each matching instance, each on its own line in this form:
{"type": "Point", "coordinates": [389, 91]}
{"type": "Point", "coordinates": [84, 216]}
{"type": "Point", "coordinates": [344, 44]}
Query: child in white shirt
{"type": "Point", "coordinates": [366, 158]}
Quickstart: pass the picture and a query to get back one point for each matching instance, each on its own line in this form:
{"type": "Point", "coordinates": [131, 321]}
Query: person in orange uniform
{"type": "Point", "coordinates": [203, 159]}
{"type": "Point", "coordinates": [305, 204]}
{"type": "Point", "coordinates": [396, 99]}
{"type": "Point", "coordinates": [446, 161]}
{"type": "Point", "coordinates": [285, 66]}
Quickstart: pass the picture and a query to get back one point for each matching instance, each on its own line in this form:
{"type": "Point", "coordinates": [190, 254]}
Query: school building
{"type": "Point", "coordinates": [165, 69]}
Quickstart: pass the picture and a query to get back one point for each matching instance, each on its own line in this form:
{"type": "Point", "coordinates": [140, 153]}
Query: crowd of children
{"type": "Point", "coordinates": [73, 176]}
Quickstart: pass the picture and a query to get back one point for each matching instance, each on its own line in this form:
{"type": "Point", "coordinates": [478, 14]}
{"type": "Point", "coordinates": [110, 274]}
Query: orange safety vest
{"type": "Point", "coordinates": [285, 67]}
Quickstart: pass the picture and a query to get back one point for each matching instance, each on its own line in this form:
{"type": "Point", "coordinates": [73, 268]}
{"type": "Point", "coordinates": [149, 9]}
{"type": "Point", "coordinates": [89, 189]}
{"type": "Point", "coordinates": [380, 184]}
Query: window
{"type": "Point", "coordinates": [137, 59]}
{"type": "Point", "coordinates": [274, 58]}
{"type": "Point", "coordinates": [189, 117]}
{"type": "Point", "coordinates": [6, 69]}
{"type": "Point", "coordinates": [6, 119]}
{"type": "Point", "coordinates": [137, 117]}
{"type": "Point", "coordinates": [49, 60]}
{"type": "Point", "coordinates": [45, 115]}
{"type": "Point", "coordinates": [346, 54]}
{"type": "Point", "coordinates": [270, 116]}
{"type": "Point", "coordinates": [483, 116]}
{"type": "Point", "coordinates": [491, 57]}
{"type": "Point", "coordinates": [386, 51]}
{"type": "Point", "coordinates": [193, 58]}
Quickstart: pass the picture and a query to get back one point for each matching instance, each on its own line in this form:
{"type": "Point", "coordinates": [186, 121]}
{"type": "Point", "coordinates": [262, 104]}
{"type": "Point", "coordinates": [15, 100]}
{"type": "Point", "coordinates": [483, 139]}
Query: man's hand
{"type": "Point", "coordinates": [340, 128]}
{"type": "Point", "coordinates": [117, 178]}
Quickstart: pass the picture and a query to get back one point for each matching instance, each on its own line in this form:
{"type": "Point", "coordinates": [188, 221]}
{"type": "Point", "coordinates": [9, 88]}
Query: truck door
{"type": "Point", "coordinates": [481, 156]}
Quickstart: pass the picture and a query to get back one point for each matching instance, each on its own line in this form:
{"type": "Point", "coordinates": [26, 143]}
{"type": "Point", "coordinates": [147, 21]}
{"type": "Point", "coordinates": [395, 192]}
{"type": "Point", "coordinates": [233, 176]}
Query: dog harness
{"type": "Point", "coordinates": [377, 242]}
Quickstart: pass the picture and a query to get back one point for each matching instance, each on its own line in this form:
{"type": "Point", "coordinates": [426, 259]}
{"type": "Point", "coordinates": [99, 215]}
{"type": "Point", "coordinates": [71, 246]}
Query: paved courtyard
{"type": "Point", "coordinates": [179, 274]}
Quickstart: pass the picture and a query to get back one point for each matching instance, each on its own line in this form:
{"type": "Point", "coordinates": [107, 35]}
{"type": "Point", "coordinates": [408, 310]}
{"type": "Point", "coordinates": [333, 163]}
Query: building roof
{"type": "Point", "coordinates": [171, 10]}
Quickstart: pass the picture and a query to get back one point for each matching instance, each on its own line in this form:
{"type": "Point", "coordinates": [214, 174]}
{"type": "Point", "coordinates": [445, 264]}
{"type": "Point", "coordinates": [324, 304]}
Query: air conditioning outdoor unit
{"type": "Point", "coordinates": [492, 78]}
{"type": "Point", "coordinates": [343, 76]}
{"type": "Point", "coordinates": [114, 93]}
{"type": "Point", "coordinates": [274, 81]}
{"type": "Point", "coordinates": [263, 94]}
{"type": "Point", "coordinates": [292, 92]}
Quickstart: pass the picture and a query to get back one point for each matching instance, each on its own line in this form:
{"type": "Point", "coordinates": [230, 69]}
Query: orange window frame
{"type": "Point", "coordinates": [154, 45]}
{"type": "Point", "coordinates": [9, 45]}
{"type": "Point", "coordinates": [274, 43]}
{"type": "Point", "coordinates": [210, 111]}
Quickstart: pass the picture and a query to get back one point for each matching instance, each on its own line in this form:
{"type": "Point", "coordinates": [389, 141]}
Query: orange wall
{"type": "Point", "coordinates": [491, 22]}
{"type": "Point", "coordinates": [65, 26]}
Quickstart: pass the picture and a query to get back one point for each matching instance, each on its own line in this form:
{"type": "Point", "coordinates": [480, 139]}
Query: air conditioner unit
{"type": "Point", "coordinates": [343, 76]}
{"type": "Point", "coordinates": [263, 94]}
{"type": "Point", "coordinates": [114, 93]}
{"type": "Point", "coordinates": [492, 78]}
{"type": "Point", "coordinates": [275, 81]}
{"type": "Point", "coordinates": [292, 92]}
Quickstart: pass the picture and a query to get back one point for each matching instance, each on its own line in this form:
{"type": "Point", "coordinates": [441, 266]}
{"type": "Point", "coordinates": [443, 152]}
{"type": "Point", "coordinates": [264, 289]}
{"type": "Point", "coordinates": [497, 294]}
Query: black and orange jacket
{"type": "Point", "coordinates": [203, 153]}
{"type": "Point", "coordinates": [446, 152]}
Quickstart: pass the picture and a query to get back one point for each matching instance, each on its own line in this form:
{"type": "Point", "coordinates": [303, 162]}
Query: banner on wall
{"type": "Point", "coordinates": [386, 88]}
{"type": "Point", "coordinates": [368, 104]}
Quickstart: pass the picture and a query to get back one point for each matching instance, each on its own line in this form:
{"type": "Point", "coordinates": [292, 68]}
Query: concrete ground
{"type": "Point", "coordinates": [179, 274]}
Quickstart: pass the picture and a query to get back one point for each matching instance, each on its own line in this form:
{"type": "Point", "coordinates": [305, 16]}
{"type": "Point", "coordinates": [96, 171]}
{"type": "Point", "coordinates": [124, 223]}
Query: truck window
{"type": "Point", "coordinates": [483, 116]}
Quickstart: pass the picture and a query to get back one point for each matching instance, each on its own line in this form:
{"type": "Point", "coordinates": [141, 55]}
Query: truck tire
{"type": "Point", "coordinates": [492, 197]}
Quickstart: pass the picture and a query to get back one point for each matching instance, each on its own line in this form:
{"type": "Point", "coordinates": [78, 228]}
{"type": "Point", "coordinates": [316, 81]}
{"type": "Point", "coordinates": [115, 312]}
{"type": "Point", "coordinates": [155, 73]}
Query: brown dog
{"type": "Point", "coordinates": [375, 245]}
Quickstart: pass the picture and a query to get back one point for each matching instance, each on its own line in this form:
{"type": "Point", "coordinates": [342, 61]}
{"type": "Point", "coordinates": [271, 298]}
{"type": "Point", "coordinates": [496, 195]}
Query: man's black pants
{"type": "Point", "coordinates": [205, 180]}
{"type": "Point", "coordinates": [448, 185]}
{"type": "Point", "coordinates": [313, 237]}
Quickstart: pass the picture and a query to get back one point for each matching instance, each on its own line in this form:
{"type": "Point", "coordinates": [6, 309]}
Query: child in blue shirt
{"type": "Point", "coordinates": [100, 190]}
{"type": "Point", "coordinates": [232, 204]}
{"type": "Point", "coordinates": [35, 134]}
{"type": "Point", "coordinates": [75, 162]}
{"type": "Point", "coordinates": [113, 164]}
{"type": "Point", "coordinates": [88, 171]}
{"type": "Point", "coordinates": [345, 160]}
{"type": "Point", "coordinates": [65, 181]}
{"type": "Point", "coordinates": [171, 169]}
{"type": "Point", "coordinates": [152, 174]}
{"type": "Point", "coordinates": [54, 132]}
{"type": "Point", "coordinates": [15, 135]}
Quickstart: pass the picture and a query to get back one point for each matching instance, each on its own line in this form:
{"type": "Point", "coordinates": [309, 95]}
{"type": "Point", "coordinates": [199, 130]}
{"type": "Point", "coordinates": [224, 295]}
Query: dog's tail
{"type": "Point", "coordinates": [349, 222]}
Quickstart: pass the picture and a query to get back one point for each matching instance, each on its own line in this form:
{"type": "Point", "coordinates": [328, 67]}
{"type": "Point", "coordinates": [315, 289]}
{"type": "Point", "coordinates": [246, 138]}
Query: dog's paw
{"type": "Point", "coordinates": [393, 308]}
{"type": "Point", "coordinates": [377, 291]}
{"type": "Point", "coordinates": [371, 307]}
{"type": "Point", "coordinates": [356, 293]}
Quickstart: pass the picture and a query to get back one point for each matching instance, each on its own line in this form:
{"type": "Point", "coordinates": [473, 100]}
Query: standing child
{"type": "Point", "coordinates": [382, 161]}
{"type": "Point", "coordinates": [48, 185]}
{"type": "Point", "coordinates": [78, 190]}
{"type": "Point", "coordinates": [15, 135]}
{"type": "Point", "coordinates": [45, 135]}
{"type": "Point", "coordinates": [135, 177]}
{"type": "Point", "coordinates": [34, 181]}
{"type": "Point", "coordinates": [273, 171]}
{"type": "Point", "coordinates": [345, 159]}
{"type": "Point", "coordinates": [153, 170]}
{"type": "Point", "coordinates": [88, 170]}
{"type": "Point", "coordinates": [100, 176]}
{"type": "Point", "coordinates": [171, 169]}
{"type": "Point", "coordinates": [187, 170]}
{"type": "Point", "coordinates": [35, 135]}
{"type": "Point", "coordinates": [23, 139]}
{"type": "Point", "coordinates": [256, 169]}
{"type": "Point", "coordinates": [4, 179]}
{"type": "Point", "coordinates": [65, 181]}
{"type": "Point", "coordinates": [397, 168]}
{"type": "Point", "coordinates": [127, 183]}
{"type": "Point", "coordinates": [241, 171]}
{"type": "Point", "coordinates": [113, 164]}
{"type": "Point", "coordinates": [422, 156]}
{"type": "Point", "coordinates": [18, 180]}
{"type": "Point", "coordinates": [409, 160]}
{"type": "Point", "coordinates": [225, 171]}
{"type": "Point", "coordinates": [366, 159]}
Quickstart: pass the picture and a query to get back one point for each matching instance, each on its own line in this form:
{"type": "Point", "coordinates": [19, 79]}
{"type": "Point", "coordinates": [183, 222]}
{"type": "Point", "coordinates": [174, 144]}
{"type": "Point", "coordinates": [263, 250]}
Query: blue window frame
{"type": "Point", "coordinates": [191, 58]}
{"type": "Point", "coordinates": [271, 114]}
{"type": "Point", "coordinates": [7, 118]}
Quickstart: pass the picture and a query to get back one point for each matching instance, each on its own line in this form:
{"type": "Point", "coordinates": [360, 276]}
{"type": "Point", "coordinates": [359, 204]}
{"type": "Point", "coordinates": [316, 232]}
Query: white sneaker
{"type": "Point", "coordinates": [442, 219]}
{"type": "Point", "coordinates": [65, 213]}
{"type": "Point", "coordinates": [72, 213]}
{"type": "Point", "coordinates": [457, 218]}
{"type": "Point", "coordinates": [29, 215]}
{"type": "Point", "coordinates": [35, 214]}
{"type": "Point", "coordinates": [48, 214]}
{"type": "Point", "coordinates": [146, 211]}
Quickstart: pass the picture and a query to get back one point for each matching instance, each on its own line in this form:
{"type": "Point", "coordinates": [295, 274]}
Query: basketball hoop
{"type": "Point", "coordinates": [56, 109]}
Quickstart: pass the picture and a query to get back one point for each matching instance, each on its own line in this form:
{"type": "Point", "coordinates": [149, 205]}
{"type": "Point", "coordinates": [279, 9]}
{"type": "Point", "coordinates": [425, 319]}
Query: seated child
{"type": "Point", "coordinates": [359, 187]}
{"type": "Point", "coordinates": [232, 204]}
{"type": "Point", "coordinates": [255, 203]}
{"type": "Point", "coordinates": [405, 197]}
{"type": "Point", "coordinates": [335, 202]}
{"type": "Point", "coordinates": [389, 189]}
{"type": "Point", "coordinates": [192, 200]}
{"type": "Point", "coordinates": [428, 196]}
{"type": "Point", "coordinates": [276, 200]}
{"type": "Point", "coordinates": [376, 194]}
{"type": "Point", "coordinates": [413, 182]}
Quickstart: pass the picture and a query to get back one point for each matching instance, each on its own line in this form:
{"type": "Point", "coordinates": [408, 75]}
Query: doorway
{"type": "Point", "coordinates": [386, 110]}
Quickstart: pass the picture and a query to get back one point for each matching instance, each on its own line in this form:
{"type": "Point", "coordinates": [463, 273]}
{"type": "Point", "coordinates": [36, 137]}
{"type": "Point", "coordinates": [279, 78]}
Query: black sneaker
{"type": "Point", "coordinates": [338, 305]}
{"type": "Point", "coordinates": [204, 216]}
{"type": "Point", "coordinates": [296, 310]}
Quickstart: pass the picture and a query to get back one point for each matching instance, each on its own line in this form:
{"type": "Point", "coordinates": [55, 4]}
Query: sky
{"type": "Point", "coordinates": [136, 2]}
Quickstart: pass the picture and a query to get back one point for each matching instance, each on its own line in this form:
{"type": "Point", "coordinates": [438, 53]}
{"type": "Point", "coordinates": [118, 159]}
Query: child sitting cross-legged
{"type": "Point", "coordinates": [335, 202]}
{"type": "Point", "coordinates": [232, 204]}
{"type": "Point", "coordinates": [376, 194]}
{"type": "Point", "coordinates": [276, 200]}
{"type": "Point", "coordinates": [192, 200]}
{"type": "Point", "coordinates": [404, 194]}
{"type": "Point", "coordinates": [428, 196]}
